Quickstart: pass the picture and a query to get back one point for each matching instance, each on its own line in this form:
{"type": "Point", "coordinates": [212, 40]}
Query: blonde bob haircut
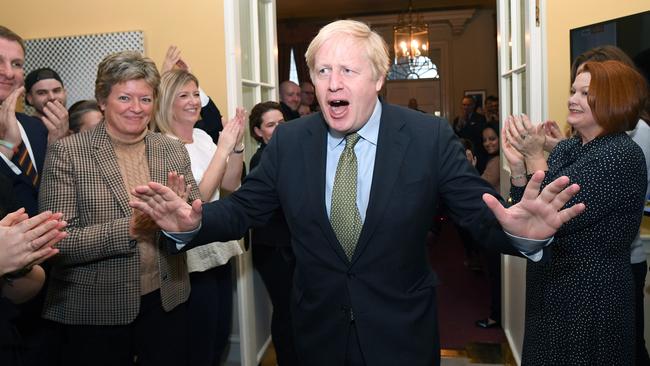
{"type": "Point", "coordinates": [170, 83]}
{"type": "Point", "coordinates": [375, 46]}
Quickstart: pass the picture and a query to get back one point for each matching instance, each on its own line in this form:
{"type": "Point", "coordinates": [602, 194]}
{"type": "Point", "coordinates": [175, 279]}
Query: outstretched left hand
{"type": "Point", "coordinates": [539, 214]}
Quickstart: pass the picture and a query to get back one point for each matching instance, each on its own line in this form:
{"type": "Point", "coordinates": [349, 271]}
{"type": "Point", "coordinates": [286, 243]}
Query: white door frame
{"type": "Point", "coordinates": [251, 349]}
{"type": "Point", "coordinates": [522, 89]}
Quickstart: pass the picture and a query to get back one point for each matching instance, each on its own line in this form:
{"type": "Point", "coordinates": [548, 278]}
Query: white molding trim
{"type": "Point", "coordinates": [243, 266]}
{"type": "Point", "coordinates": [543, 49]}
{"type": "Point", "coordinates": [233, 54]}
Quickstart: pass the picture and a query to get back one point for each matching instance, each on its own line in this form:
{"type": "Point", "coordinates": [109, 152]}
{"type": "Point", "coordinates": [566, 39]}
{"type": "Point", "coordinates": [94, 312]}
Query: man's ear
{"type": "Point", "coordinates": [379, 84]}
{"type": "Point", "coordinates": [28, 98]}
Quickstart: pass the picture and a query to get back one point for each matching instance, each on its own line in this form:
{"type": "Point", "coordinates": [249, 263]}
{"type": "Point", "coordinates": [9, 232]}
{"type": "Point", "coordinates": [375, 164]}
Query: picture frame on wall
{"type": "Point", "coordinates": [478, 96]}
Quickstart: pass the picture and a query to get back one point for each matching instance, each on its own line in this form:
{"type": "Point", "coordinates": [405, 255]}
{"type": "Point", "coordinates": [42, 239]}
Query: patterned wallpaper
{"type": "Point", "coordinates": [76, 58]}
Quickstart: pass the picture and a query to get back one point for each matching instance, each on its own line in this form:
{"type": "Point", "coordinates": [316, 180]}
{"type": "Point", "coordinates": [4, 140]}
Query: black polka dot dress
{"type": "Point", "coordinates": [579, 298]}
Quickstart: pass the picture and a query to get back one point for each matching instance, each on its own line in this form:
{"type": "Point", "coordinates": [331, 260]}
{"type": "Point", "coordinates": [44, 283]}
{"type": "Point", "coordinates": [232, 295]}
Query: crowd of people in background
{"type": "Point", "coordinates": [119, 216]}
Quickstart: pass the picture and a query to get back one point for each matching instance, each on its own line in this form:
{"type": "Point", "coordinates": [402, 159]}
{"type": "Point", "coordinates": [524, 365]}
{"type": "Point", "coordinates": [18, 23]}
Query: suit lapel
{"type": "Point", "coordinates": [315, 161]}
{"type": "Point", "coordinates": [391, 149]}
{"type": "Point", "coordinates": [106, 162]}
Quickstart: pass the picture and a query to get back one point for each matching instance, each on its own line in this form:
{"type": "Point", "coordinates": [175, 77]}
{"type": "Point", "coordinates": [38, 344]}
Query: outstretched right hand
{"type": "Point", "coordinates": [169, 211]}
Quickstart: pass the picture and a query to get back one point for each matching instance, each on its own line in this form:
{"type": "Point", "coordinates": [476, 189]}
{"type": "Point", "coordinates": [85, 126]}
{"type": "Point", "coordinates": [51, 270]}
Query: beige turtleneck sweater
{"type": "Point", "coordinates": [132, 160]}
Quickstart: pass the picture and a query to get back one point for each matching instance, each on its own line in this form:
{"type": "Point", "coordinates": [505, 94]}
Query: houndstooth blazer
{"type": "Point", "coordinates": [95, 279]}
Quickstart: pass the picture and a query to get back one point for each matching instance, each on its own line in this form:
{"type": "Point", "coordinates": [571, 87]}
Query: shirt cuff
{"type": "Point", "coordinates": [205, 99]}
{"type": "Point", "coordinates": [532, 249]}
{"type": "Point", "coordinates": [10, 164]}
{"type": "Point", "coordinates": [182, 238]}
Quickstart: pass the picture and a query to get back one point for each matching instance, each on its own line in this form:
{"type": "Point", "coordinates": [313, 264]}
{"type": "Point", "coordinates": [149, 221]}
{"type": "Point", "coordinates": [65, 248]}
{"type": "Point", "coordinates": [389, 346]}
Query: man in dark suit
{"type": "Point", "coordinates": [23, 143]}
{"type": "Point", "coordinates": [359, 184]}
{"type": "Point", "coordinates": [17, 130]}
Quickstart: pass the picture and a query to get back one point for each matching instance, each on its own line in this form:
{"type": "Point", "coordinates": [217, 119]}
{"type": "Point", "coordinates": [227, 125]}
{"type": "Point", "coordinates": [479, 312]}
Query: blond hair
{"type": "Point", "coordinates": [121, 67]}
{"type": "Point", "coordinates": [375, 47]}
{"type": "Point", "coordinates": [170, 83]}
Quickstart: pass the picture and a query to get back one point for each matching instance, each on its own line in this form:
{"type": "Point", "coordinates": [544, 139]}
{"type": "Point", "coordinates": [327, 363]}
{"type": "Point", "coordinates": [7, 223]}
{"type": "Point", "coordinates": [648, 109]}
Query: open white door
{"type": "Point", "coordinates": [251, 63]}
{"type": "Point", "coordinates": [522, 89]}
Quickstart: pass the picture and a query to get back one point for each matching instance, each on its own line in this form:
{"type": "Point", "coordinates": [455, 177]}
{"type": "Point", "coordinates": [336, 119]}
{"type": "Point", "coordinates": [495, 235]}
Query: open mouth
{"type": "Point", "coordinates": [338, 107]}
{"type": "Point", "coordinates": [339, 103]}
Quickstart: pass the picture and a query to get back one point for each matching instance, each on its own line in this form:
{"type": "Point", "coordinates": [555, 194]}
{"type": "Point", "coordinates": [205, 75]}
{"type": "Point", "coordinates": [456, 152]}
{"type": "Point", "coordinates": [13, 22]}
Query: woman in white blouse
{"type": "Point", "coordinates": [213, 167]}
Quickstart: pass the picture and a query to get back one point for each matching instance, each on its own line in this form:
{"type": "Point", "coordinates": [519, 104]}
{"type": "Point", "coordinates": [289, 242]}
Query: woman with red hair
{"type": "Point", "coordinates": [580, 302]}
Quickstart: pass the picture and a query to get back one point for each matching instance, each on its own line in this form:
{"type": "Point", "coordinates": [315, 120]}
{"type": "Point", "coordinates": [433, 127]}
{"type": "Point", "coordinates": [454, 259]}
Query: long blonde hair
{"type": "Point", "coordinates": [170, 83]}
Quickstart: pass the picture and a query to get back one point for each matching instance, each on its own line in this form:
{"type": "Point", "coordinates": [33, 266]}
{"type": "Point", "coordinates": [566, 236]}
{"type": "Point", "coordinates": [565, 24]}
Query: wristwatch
{"type": "Point", "coordinates": [241, 150]}
{"type": "Point", "coordinates": [12, 276]}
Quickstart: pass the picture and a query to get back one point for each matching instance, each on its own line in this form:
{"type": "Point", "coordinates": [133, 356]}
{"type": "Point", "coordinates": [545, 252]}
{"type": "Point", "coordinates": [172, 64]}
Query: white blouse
{"type": "Point", "coordinates": [208, 256]}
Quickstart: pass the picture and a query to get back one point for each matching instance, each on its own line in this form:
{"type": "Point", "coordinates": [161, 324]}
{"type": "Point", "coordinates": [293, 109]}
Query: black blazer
{"type": "Point", "coordinates": [388, 285]}
{"type": "Point", "coordinates": [210, 121]}
{"type": "Point", "coordinates": [25, 194]}
{"type": "Point", "coordinates": [288, 113]}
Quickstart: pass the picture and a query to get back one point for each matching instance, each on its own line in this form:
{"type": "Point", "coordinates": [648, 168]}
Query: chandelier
{"type": "Point", "coordinates": [411, 38]}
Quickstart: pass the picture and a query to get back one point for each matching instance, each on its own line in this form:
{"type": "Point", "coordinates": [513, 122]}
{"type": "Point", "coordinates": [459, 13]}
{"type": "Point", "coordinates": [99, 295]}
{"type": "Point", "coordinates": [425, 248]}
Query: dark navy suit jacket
{"type": "Point", "coordinates": [388, 286]}
{"type": "Point", "coordinates": [26, 195]}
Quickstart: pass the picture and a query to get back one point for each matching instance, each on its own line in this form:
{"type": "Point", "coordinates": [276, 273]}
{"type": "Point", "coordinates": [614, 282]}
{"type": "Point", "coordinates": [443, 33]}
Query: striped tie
{"type": "Point", "coordinates": [344, 215]}
{"type": "Point", "coordinates": [24, 162]}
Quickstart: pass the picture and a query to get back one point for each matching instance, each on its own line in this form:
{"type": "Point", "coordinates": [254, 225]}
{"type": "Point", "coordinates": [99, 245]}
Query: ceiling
{"type": "Point", "coordinates": [336, 9]}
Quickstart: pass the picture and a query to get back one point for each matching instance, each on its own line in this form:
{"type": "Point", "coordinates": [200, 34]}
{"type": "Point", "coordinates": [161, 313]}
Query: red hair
{"type": "Point", "coordinates": [617, 95]}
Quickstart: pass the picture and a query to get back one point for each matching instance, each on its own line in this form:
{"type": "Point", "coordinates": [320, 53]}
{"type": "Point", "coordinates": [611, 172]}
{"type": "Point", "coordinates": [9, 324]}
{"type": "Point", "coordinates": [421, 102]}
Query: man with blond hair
{"type": "Point", "coordinates": [359, 183]}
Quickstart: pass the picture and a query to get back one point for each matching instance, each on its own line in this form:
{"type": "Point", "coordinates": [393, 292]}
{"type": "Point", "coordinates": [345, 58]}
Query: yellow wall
{"type": "Point", "coordinates": [562, 16]}
{"type": "Point", "coordinates": [196, 26]}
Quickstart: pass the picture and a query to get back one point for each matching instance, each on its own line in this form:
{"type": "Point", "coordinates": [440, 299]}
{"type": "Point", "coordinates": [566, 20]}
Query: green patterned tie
{"type": "Point", "coordinates": [344, 214]}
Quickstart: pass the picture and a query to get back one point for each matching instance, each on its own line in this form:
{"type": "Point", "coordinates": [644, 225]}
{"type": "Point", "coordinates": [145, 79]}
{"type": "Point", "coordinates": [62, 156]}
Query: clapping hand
{"type": "Point", "coordinates": [176, 182]}
{"type": "Point", "coordinates": [29, 241]}
{"type": "Point", "coordinates": [55, 119]}
{"type": "Point", "coordinates": [173, 59]}
{"type": "Point", "coordinates": [553, 135]}
{"type": "Point", "coordinates": [513, 156]}
{"type": "Point", "coordinates": [233, 131]}
{"type": "Point", "coordinates": [9, 130]}
{"type": "Point", "coordinates": [523, 136]}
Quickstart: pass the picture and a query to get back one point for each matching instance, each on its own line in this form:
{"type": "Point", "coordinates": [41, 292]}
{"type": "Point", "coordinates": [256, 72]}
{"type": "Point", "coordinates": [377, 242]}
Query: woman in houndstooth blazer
{"type": "Point", "coordinates": [114, 290]}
